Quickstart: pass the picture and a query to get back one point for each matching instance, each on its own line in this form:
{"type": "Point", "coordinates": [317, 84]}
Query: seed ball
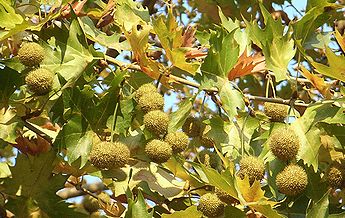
{"type": "Point", "coordinates": [156, 122]}
{"type": "Point", "coordinates": [192, 127]}
{"type": "Point", "coordinates": [108, 155]}
{"type": "Point", "coordinates": [210, 205]}
{"type": "Point", "coordinates": [158, 151]}
{"type": "Point", "coordinates": [252, 167]}
{"type": "Point", "coordinates": [284, 144]}
{"type": "Point", "coordinates": [292, 180]}
{"type": "Point", "coordinates": [90, 204]}
{"type": "Point", "coordinates": [208, 158]}
{"type": "Point", "coordinates": [147, 88]}
{"type": "Point", "coordinates": [31, 54]}
{"type": "Point", "coordinates": [207, 142]}
{"type": "Point", "coordinates": [336, 175]}
{"type": "Point", "coordinates": [225, 197]}
{"type": "Point", "coordinates": [151, 101]}
{"type": "Point", "coordinates": [178, 140]}
{"type": "Point", "coordinates": [277, 112]}
{"type": "Point", "coordinates": [40, 81]}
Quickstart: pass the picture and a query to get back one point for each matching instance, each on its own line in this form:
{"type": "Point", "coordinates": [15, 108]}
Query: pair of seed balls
{"type": "Point", "coordinates": [152, 103]}
{"type": "Point", "coordinates": [38, 80]}
{"type": "Point", "coordinates": [160, 151]}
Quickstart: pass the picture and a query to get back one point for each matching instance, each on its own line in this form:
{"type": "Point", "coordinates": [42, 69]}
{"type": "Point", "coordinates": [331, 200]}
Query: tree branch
{"type": "Point", "coordinates": [180, 80]}
{"type": "Point", "coordinates": [37, 131]}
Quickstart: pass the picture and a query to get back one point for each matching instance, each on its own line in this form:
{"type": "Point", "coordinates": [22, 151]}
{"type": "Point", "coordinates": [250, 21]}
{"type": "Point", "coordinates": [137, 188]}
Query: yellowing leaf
{"type": "Point", "coordinates": [336, 68]}
{"type": "Point", "coordinates": [249, 193]}
{"type": "Point", "coordinates": [176, 44]}
{"type": "Point", "coordinates": [138, 39]}
{"type": "Point", "coordinates": [340, 39]}
{"type": "Point", "coordinates": [317, 82]}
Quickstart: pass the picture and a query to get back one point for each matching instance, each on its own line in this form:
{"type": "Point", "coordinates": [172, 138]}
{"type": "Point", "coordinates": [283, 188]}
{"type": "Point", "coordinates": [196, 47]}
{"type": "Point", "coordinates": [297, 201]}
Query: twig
{"type": "Point", "coordinates": [37, 131]}
{"type": "Point", "coordinates": [180, 80]}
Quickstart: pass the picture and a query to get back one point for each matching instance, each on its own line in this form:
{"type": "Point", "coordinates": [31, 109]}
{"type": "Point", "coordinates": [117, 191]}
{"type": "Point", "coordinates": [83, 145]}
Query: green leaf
{"type": "Point", "coordinates": [232, 99]}
{"type": "Point", "coordinates": [331, 112]}
{"type": "Point", "coordinates": [33, 184]}
{"type": "Point", "coordinates": [277, 48]}
{"type": "Point", "coordinates": [124, 120]}
{"type": "Point", "coordinates": [178, 117]}
{"type": "Point", "coordinates": [137, 208]}
{"type": "Point", "coordinates": [8, 16]}
{"type": "Point", "coordinates": [310, 143]}
{"type": "Point", "coordinates": [71, 54]}
{"type": "Point", "coordinates": [10, 80]}
{"type": "Point", "coordinates": [77, 137]}
{"type": "Point", "coordinates": [278, 54]}
{"type": "Point", "coordinates": [320, 208]}
{"type": "Point", "coordinates": [9, 124]}
{"type": "Point", "coordinates": [267, 210]}
{"type": "Point", "coordinates": [241, 37]}
{"type": "Point", "coordinates": [225, 181]}
{"type": "Point", "coordinates": [191, 212]}
{"type": "Point", "coordinates": [222, 55]}
{"type": "Point", "coordinates": [96, 35]}
{"type": "Point", "coordinates": [218, 131]}
{"type": "Point", "coordinates": [231, 211]}
{"type": "Point", "coordinates": [336, 68]}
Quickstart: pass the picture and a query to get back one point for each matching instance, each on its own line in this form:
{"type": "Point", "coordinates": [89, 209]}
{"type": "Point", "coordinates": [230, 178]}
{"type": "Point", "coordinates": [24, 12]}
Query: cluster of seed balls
{"type": "Point", "coordinates": [195, 128]}
{"type": "Point", "coordinates": [156, 121]}
{"type": "Point", "coordinates": [284, 144]}
{"type": "Point", "coordinates": [38, 80]}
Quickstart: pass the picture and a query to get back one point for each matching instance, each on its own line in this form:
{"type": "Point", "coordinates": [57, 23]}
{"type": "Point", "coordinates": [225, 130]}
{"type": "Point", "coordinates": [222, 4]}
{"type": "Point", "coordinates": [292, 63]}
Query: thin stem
{"type": "Point", "coordinates": [37, 131]}
{"type": "Point", "coordinates": [180, 80]}
{"type": "Point", "coordinates": [242, 134]}
{"type": "Point", "coordinates": [115, 116]}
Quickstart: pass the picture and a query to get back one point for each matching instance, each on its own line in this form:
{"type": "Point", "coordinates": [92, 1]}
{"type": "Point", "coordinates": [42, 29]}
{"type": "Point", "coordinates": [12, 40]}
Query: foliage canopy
{"type": "Point", "coordinates": [130, 76]}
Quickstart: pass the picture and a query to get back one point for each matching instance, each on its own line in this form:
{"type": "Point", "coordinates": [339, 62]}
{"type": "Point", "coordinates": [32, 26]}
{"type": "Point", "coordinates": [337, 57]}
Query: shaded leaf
{"type": "Point", "coordinates": [231, 98]}
{"type": "Point", "coordinates": [77, 137]}
{"type": "Point", "coordinates": [137, 208]}
{"type": "Point", "coordinates": [320, 208]}
{"type": "Point", "coordinates": [178, 117]}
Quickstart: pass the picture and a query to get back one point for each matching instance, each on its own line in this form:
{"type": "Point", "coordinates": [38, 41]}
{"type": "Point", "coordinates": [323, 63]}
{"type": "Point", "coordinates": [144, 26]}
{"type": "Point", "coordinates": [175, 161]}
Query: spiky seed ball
{"type": "Point", "coordinates": [292, 180]}
{"type": "Point", "coordinates": [284, 144]}
{"type": "Point", "coordinates": [40, 81]}
{"type": "Point", "coordinates": [253, 167]}
{"type": "Point", "coordinates": [192, 127]}
{"type": "Point", "coordinates": [225, 197]}
{"type": "Point", "coordinates": [147, 88]}
{"type": "Point", "coordinates": [31, 54]}
{"type": "Point", "coordinates": [336, 176]}
{"type": "Point", "coordinates": [158, 151]}
{"type": "Point", "coordinates": [151, 101]}
{"type": "Point", "coordinates": [90, 204]}
{"type": "Point", "coordinates": [156, 122]}
{"type": "Point", "coordinates": [207, 142]}
{"type": "Point", "coordinates": [277, 112]}
{"type": "Point", "coordinates": [208, 158]}
{"type": "Point", "coordinates": [178, 140]}
{"type": "Point", "coordinates": [108, 155]}
{"type": "Point", "coordinates": [210, 205]}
